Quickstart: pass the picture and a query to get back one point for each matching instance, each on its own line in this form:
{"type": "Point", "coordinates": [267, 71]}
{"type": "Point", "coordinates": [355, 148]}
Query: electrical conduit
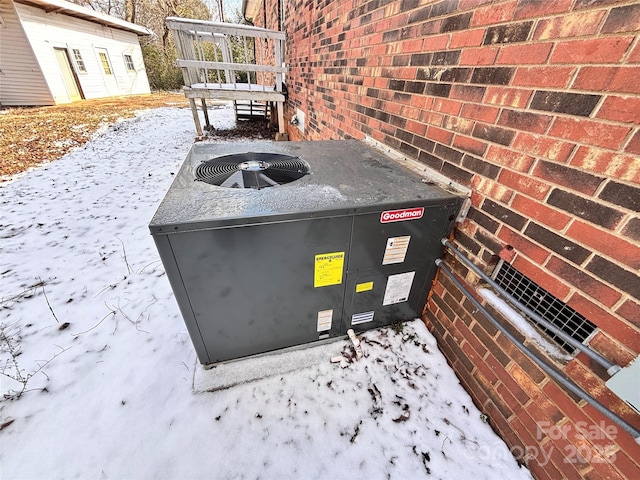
{"type": "Point", "coordinates": [565, 382]}
{"type": "Point", "coordinates": [611, 367]}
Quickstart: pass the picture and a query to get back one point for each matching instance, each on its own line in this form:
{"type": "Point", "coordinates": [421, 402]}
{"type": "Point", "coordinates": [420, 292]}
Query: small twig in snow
{"type": "Point", "coordinates": [112, 286]}
{"type": "Point", "coordinates": [28, 292]}
{"type": "Point", "coordinates": [442, 446]}
{"type": "Point", "coordinates": [47, 300]}
{"type": "Point", "coordinates": [18, 376]}
{"type": "Point", "coordinates": [138, 324]}
{"type": "Point", "coordinates": [148, 265]}
{"type": "Point", "coordinates": [155, 300]}
{"type": "Point", "coordinates": [112, 312]}
{"type": "Point", "coordinates": [124, 253]}
{"type": "Point", "coordinates": [463, 435]}
{"type": "Point", "coordinates": [119, 309]}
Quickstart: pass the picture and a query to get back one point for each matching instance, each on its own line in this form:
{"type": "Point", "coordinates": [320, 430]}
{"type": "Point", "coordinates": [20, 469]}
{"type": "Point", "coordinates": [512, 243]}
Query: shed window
{"type": "Point", "coordinates": [79, 61]}
{"type": "Point", "coordinates": [105, 63]}
{"type": "Point", "coordinates": [128, 61]}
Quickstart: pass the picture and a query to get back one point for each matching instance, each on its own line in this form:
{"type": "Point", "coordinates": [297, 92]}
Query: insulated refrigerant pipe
{"type": "Point", "coordinates": [565, 382]}
{"type": "Point", "coordinates": [611, 367]}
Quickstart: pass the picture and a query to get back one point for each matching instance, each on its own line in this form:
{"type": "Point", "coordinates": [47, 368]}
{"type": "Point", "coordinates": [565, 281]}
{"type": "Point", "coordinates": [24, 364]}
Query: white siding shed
{"type": "Point", "coordinates": [53, 52]}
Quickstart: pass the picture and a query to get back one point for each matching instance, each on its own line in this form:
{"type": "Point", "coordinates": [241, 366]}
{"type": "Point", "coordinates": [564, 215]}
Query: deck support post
{"type": "Point", "coordinates": [207, 125]}
{"type": "Point", "coordinates": [196, 119]}
{"type": "Point", "coordinates": [281, 125]}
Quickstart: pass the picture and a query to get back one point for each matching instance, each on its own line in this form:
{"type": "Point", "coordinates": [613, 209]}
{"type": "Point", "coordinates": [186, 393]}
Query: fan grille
{"type": "Point", "coordinates": [251, 170]}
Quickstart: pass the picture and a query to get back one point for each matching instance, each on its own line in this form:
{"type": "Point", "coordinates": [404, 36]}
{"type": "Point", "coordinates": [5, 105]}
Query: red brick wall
{"type": "Point", "coordinates": [265, 49]}
{"type": "Point", "coordinates": [269, 17]}
{"type": "Point", "coordinates": [536, 106]}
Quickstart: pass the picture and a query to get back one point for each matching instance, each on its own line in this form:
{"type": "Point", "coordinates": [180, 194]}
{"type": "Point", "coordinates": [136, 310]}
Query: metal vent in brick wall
{"type": "Point", "coordinates": [546, 305]}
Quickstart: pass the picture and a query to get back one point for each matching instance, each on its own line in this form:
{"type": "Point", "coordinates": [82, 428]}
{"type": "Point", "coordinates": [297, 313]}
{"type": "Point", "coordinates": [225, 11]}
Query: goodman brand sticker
{"type": "Point", "coordinates": [398, 288]}
{"type": "Point", "coordinates": [401, 215]}
{"type": "Point", "coordinates": [328, 269]}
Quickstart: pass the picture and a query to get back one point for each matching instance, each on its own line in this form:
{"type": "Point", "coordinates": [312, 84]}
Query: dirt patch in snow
{"type": "Point", "coordinates": [33, 135]}
{"type": "Point", "coordinates": [30, 136]}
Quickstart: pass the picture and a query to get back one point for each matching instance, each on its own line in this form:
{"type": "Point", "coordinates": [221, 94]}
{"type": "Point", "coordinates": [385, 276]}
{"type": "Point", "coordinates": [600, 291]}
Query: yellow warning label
{"type": "Point", "coordinates": [364, 287]}
{"type": "Point", "coordinates": [328, 269]}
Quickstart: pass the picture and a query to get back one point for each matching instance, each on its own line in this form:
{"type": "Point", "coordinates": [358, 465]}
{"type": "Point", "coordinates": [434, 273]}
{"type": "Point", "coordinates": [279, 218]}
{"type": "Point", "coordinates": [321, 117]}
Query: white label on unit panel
{"type": "Point", "coordinates": [398, 288]}
{"type": "Point", "coordinates": [396, 250]}
{"type": "Point", "coordinates": [361, 318]}
{"type": "Point", "coordinates": [324, 320]}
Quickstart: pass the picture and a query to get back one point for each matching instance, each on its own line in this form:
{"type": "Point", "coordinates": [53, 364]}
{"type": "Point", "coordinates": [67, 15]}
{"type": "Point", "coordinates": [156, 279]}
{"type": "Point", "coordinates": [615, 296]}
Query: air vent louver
{"type": "Point", "coordinates": [251, 170]}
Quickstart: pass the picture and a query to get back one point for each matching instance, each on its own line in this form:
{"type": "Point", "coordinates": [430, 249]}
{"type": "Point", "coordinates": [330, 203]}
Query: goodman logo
{"type": "Point", "coordinates": [401, 215]}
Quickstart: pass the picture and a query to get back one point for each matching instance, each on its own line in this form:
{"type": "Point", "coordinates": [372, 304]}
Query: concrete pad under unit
{"type": "Point", "coordinates": [229, 374]}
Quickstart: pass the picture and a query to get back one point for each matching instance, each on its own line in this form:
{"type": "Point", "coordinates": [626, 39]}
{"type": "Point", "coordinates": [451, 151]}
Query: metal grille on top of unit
{"type": "Point", "coordinates": [251, 170]}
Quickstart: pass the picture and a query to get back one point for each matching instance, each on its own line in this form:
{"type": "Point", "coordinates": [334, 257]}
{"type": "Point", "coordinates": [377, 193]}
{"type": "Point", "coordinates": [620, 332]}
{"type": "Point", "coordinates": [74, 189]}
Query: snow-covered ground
{"type": "Point", "coordinates": [82, 285]}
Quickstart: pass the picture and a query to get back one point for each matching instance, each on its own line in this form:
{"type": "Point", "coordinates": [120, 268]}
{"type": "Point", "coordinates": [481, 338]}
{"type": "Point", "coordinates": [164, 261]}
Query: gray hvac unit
{"type": "Point", "coordinates": [269, 245]}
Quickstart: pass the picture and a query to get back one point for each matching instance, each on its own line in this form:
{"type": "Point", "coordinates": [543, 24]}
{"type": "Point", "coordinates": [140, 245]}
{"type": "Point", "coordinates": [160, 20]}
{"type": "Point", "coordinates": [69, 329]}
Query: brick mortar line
{"type": "Point", "coordinates": [534, 88]}
{"type": "Point", "coordinates": [572, 289]}
{"type": "Point", "coordinates": [596, 109]}
{"type": "Point", "coordinates": [624, 210]}
{"type": "Point", "coordinates": [603, 20]}
{"type": "Point", "coordinates": [502, 107]}
{"type": "Point", "coordinates": [554, 41]}
{"type": "Point", "coordinates": [625, 296]}
{"type": "Point", "coordinates": [537, 159]}
{"type": "Point", "coordinates": [635, 44]}
{"type": "Point", "coordinates": [550, 16]}
{"type": "Point", "coordinates": [563, 233]}
{"type": "Point", "coordinates": [596, 196]}
{"type": "Point", "coordinates": [602, 254]}
{"type": "Point", "coordinates": [627, 141]}
{"type": "Point", "coordinates": [611, 340]}
{"type": "Point", "coordinates": [571, 10]}
{"type": "Point", "coordinates": [620, 151]}
{"type": "Point", "coordinates": [529, 41]}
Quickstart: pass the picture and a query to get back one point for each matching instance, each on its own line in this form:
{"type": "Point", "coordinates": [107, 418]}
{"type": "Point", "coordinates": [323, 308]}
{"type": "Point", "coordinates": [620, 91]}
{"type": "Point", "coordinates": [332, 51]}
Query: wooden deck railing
{"type": "Point", "coordinates": [229, 61]}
